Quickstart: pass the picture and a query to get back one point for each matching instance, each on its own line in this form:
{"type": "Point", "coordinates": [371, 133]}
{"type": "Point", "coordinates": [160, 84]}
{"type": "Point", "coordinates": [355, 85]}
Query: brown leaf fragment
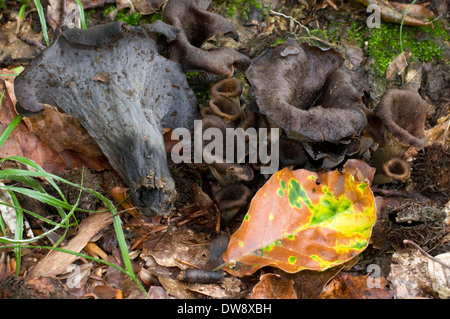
{"type": "Point", "coordinates": [346, 286]}
{"type": "Point", "coordinates": [273, 286]}
{"type": "Point", "coordinates": [61, 131]}
{"type": "Point", "coordinates": [105, 292]}
{"type": "Point", "coordinates": [409, 274]}
{"type": "Point", "coordinates": [56, 262]}
{"type": "Point", "coordinates": [45, 287]}
{"type": "Point", "coordinates": [440, 275]}
{"type": "Point", "coordinates": [178, 248]}
{"type": "Point", "coordinates": [144, 7]}
{"type": "Point", "coordinates": [176, 288]}
{"type": "Point", "coordinates": [389, 13]}
{"type": "Point", "coordinates": [103, 77]}
{"type": "Point", "coordinates": [23, 142]}
{"type": "Point", "coordinates": [398, 65]}
{"type": "Point", "coordinates": [157, 292]}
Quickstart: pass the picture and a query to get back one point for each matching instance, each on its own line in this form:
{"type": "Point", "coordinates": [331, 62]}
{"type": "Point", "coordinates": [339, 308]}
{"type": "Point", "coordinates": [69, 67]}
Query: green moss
{"type": "Point", "coordinates": [232, 7]}
{"type": "Point", "coordinates": [129, 18]}
{"type": "Point", "coordinates": [108, 9]}
{"type": "Point", "coordinates": [202, 91]}
{"type": "Point", "coordinates": [383, 44]}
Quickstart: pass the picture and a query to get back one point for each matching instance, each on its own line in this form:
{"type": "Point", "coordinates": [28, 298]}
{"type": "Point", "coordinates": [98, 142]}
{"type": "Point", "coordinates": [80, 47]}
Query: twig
{"type": "Point", "coordinates": [425, 253]}
{"type": "Point", "coordinates": [307, 30]}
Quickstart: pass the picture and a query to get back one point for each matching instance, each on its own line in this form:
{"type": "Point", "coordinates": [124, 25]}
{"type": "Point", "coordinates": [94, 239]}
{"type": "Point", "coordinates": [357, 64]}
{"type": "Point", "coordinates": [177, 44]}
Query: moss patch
{"type": "Point", "coordinates": [383, 44]}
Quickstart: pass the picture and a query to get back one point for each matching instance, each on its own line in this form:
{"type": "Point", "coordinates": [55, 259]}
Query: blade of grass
{"type": "Point", "coordinates": [42, 197]}
{"type": "Point", "coordinates": [72, 211]}
{"type": "Point", "coordinates": [53, 201]}
{"type": "Point", "coordinates": [41, 14]}
{"type": "Point", "coordinates": [22, 11]}
{"type": "Point", "coordinates": [18, 235]}
{"type": "Point", "coordinates": [37, 216]}
{"type": "Point", "coordinates": [49, 177]}
{"type": "Point", "coordinates": [82, 18]}
{"type": "Point", "coordinates": [7, 132]}
{"type": "Point", "coordinates": [401, 24]}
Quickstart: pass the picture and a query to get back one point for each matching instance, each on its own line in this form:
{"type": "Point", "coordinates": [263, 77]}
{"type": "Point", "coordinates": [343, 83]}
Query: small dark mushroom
{"type": "Point", "coordinates": [230, 88]}
{"type": "Point", "coordinates": [225, 108]}
{"type": "Point", "coordinates": [232, 199]}
{"type": "Point", "coordinates": [225, 172]}
{"type": "Point", "coordinates": [397, 169]}
{"type": "Point", "coordinates": [291, 153]}
{"type": "Point", "coordinates": [402, 113]}
{"type": "Point", "coordinates": [288, 82]}
{"type": "Point", "coordinates": [197, 25]}
{"type": "Point", "coordinates": [332, 153]}
{"type": "Point", "coordinates": [112, 79]}
{"type": "Point", "coordinates": [394, 169]}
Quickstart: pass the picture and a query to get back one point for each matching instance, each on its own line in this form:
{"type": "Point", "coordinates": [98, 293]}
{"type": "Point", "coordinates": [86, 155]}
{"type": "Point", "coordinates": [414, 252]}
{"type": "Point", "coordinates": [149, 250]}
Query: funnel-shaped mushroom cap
{"type": "Point", "coordinates": [112, 79]}
{"type": "Point", "coordinates": [197, 26]}
{"type": "Point", "coordinates": [224, 107]}
{"type": "Point", "coordinates": [397, 169]}
{"type": "Point", "coordinates": [288, 83]}
{"type": "Point", "coordinates": [403, 112]}
{"type": "Point", "coordinates": [233, 196]}
{"type": "Point", "coordinates": [229, 88]}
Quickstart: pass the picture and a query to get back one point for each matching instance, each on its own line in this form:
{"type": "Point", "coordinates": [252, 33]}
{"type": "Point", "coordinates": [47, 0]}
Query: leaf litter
{"type": "Point", "coordinates": [180, 255]}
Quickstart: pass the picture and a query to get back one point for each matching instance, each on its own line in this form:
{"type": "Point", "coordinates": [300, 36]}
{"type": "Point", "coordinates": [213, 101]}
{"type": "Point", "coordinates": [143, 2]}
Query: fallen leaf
{"type": "Point", "coordinates": [176, 288]}
{"type": "Point", "coordinates": [419, 11]}
{"type": "Point", "coordinates": [105, 292]}
{"type": "Point", "coordinates": [409, 275]}
{"type": "Point", "coordinates": [56, 262]}
{"type": "Point", "coordinates": [389, 13]}
{"type": "Point", "coordinates": [272, 286]}
{"type": "Point", "coordinates": [398, 65]}
{"type": "Point", "coordinates": [144, 7]}
{"type": "Point", "coordinates": [440, 275]}
{"type": "Point", "coordinates": [182, 248]}
{"type": "Point", "coordinates": [346, 286]}
{"type": "Point", "coordinates": [61, 131]}
{"type": "Point", "coordinates": [23, 143]}
{"type": "Point", "coordinates": [301, 220]}
{"type": "Point", "coordinates": [157, 292]}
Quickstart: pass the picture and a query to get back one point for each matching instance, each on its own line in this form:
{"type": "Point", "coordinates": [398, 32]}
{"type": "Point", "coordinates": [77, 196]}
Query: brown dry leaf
{"type": "Point", "coordinates": [439, 134]}
{"type": "Point", "coordinates": [440, 276]}
{"type": "Point", "coordinates": [62, 132]}
{"type": "Point", "coordinates": [273, 286]}
{"type": "Point", "coordinates": [346, 286]}
{"type": "Point", "coordinates": [56, 262]}
{"type": "Point", "coordinates": [419, 11]}
{"type": "Point", "coordinates": [12, 48]}
{"type": "Point", "coordinates": [409, 274]}
{"type": "Point", "coordinates": [157, 292]}
{"type": "Point", "coordinates": [144, 7]}
{"type": "Point", "coordinates": [176, 288]}
{"type": "Point", "coordinates": [213, 291]}
{"type": "Point", "coordinates": [105, 292]}
{"type": "Point", "coordinates": [398, 65]}
{"type": "Point", "coordinates": [180, 248]}
{"type": "Point", "coordinates": [24, 143]}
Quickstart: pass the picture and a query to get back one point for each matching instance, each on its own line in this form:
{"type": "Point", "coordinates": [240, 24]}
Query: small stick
{"type": "Point", "coordinates": [425, 253]}
{"type": "Point", "coordinates": [307, 30]}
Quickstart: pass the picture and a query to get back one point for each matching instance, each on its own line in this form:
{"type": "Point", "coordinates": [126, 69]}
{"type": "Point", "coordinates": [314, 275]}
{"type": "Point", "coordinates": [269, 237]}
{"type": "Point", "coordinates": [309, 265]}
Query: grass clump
{"type": "Point", "coordinates": [25, 182]}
